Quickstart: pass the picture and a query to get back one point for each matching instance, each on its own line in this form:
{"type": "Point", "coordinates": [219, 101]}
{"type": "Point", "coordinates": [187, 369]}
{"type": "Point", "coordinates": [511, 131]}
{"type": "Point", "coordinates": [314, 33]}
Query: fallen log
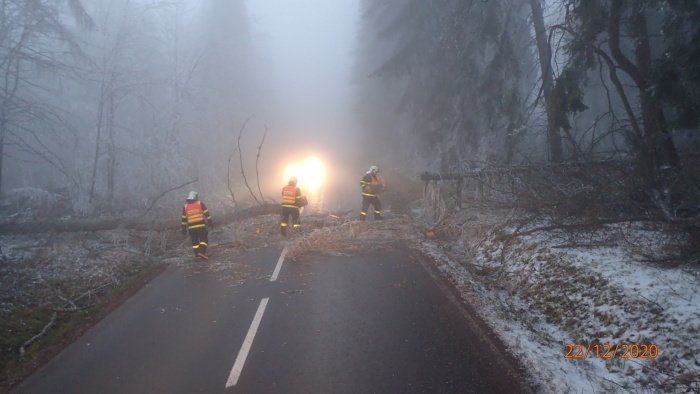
{"type": "Point", "coordinates": [87, 225]}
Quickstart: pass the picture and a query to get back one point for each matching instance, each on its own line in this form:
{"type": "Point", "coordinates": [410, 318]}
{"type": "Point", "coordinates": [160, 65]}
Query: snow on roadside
{"type": "Point", "coordinates": [539, 294]}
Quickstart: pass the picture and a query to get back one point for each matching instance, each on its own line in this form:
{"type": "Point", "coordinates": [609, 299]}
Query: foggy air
{"type": "Point", "coordinates": [349, 196]}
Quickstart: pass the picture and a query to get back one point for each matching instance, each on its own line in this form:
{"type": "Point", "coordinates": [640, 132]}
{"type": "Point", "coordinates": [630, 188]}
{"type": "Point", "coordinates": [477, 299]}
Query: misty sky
{"type": "Point", "coordinates": [308, 47]}
{"type": "Point", "coordinates": [308, 44]}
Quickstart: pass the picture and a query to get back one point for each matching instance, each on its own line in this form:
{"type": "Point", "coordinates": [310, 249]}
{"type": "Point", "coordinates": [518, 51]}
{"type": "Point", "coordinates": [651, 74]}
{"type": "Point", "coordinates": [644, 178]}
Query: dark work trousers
{"type": "Point", "coordinates": [200, 240]}
{"type": "Point", "coordinates": [366, 202]}
{"type": "Point", "coordinates": [284, 223]}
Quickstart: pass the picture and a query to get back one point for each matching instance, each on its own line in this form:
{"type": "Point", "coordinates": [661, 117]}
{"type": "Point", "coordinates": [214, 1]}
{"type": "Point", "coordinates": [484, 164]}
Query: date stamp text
{"type": "Point", "coordinates": [609, 350]}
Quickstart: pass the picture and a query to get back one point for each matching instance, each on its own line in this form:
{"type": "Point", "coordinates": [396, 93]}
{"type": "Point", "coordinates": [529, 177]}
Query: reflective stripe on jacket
{"type": "Point", "coordinates": [290, 194]}
{"type": "Point", "coordinates": [370, 185]}
{"type": "Point", "coordinates": [194, 214]}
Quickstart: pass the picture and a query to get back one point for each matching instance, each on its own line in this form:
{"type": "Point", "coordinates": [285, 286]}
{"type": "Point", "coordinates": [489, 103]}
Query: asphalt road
{"type": "Point", "coordinates": [380, 323]}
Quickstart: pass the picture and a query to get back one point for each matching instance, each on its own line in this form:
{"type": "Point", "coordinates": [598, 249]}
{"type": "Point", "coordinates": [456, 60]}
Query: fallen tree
{"type": "Point", "coordinates": [139, 223]}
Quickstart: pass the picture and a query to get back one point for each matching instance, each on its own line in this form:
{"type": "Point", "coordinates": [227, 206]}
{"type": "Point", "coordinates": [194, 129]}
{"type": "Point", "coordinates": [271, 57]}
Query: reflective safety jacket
{"type": "Point", "coordinates": [195, 214]}
{"type": "Point", "coordinates": [291, 196]}
{"type": "Point", "coordinates": [371, 185]}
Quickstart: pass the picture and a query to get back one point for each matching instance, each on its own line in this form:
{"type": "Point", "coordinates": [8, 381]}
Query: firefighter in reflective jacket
{"type": "Point", "coordinates": [292, 200]}
{"type": "Point", "coordinates": [195, 217]}
{"type": "Point", "coordinates": [371, 186]}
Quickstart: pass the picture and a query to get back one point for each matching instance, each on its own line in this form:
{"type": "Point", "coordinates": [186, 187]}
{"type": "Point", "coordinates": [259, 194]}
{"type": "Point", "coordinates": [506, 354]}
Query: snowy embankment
{"type": "Point", "coordinates": [55, 284]}
{"type": "Point", "coordinates": [544, 291]}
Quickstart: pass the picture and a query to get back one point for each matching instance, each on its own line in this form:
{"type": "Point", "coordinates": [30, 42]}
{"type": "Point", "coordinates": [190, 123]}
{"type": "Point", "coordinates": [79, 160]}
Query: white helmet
{"type": "Point", "coordinates": [373, 170]}
{"type": "Point", "coordinates": [193, 195]}
{"type": "Point", "coordinates": [293, 180]}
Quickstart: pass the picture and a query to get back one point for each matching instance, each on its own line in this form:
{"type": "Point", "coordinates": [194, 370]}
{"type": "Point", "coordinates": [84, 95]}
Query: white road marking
{"type": "Point", "coordinates": [279, 265]}
{"type": "Point", "coordinates": [247, 343]}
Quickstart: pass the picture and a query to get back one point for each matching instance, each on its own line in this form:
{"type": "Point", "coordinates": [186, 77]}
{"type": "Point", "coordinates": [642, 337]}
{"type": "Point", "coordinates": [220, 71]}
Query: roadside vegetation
{"type": "Point", "coordinates": [551, 260]}
{"type": "Point", "coordinates": [55, 286]}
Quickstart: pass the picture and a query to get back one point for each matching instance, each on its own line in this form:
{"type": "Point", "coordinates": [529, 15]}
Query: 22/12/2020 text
{"type": "Point", "coordinates": [608, 350]}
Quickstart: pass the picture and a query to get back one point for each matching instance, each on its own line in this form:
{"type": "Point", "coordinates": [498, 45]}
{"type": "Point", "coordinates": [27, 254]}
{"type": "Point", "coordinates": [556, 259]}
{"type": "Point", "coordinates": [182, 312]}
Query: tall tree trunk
{"type": "Point", "coordinates": [545, 55]}
{"type": "Point", "coordinates": [656, 148]}
{"type": "Point", "coordinates": [2, 149]}
{"type": "Point", "coordinates": [9, 92]}
{"type": "Point", "coordinates": [656, 136]}
{"type": "Point", "coordinates": [111, 150]}
{"type": "Point", "coordinates": [98, 137]}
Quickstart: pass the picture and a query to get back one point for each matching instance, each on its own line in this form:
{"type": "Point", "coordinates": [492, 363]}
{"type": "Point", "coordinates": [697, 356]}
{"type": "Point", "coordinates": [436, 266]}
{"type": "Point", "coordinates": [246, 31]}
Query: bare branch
{"type": "Point", "coordinates": [257, 158]}
{"type": "Point", "coordinates": [37, 336]}
{"type": "Point", "coordinates": [240, 157]}
{"type": "Point", "coordinates": [158, 197]}
{"type": "Point", "coordinates": [228, 177]}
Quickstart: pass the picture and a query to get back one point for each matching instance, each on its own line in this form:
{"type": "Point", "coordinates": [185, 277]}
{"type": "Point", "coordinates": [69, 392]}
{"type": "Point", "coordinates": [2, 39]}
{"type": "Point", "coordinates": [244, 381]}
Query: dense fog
{"type": "Point", "coordinates": [110, 105]}
{"type": "Point", "coordinates": [522, 175]}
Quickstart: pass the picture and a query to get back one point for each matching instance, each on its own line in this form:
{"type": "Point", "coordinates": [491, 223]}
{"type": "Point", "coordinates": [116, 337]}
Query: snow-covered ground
{"type": "Point", "coordinates": [543, 291]}
{"type": "Point", "coordinates": [539, 292]}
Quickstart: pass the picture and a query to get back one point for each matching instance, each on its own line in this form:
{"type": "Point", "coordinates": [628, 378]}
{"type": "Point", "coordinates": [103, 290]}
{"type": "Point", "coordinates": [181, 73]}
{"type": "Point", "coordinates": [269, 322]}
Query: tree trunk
{"type": "Point", "coordinates": [656, 137]}
{"type": "Point", "coordinates": [656, 147]}
{"type": "Point", "coordinates": [2, 149]}
{"type": "Point", "coordinates": [545, 55]}
{"type": "Point", "coordinates": [111, 150]}
{"type": "Point", "coordinates": [98, 137]}
{"type": "Point", "coordinates": [9, 95]}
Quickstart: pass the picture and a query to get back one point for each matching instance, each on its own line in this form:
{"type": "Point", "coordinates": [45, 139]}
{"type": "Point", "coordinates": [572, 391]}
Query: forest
{"type": "Point", "coordinates": [107, 104]}
{"type": "Point", "coordinates": [544, 153]}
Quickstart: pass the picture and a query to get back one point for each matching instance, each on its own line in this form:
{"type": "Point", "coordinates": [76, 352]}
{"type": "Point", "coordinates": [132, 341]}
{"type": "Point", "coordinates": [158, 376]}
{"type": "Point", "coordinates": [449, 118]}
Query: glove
{"type": "Point", "coordinates": [210, 224]}
{"type": "Point", "coordinates": [184, 231]}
